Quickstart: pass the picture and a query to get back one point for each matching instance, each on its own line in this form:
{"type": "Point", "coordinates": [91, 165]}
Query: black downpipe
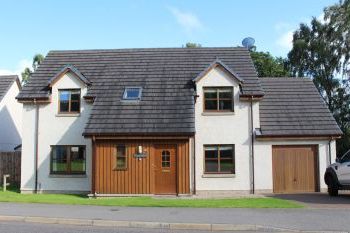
{"type": "Point", "coordinates": [252, 143]}
{"type": "Point", "coordinates": [36, 138]}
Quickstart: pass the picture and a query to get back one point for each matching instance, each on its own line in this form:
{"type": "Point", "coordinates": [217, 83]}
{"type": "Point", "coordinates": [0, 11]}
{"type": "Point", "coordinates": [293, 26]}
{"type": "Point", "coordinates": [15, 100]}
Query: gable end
{"type": "Point", "coordinates": [66, 69]}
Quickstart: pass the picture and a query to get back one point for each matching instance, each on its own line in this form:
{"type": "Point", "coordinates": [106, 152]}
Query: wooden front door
{"type": "Point", "coordinates": [165, 169]}
{"type": "Point", "coordinates": [294, 168]}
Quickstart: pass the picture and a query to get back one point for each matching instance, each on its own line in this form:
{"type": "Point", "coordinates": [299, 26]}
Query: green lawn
{"type": "Point", "coordinates": [14, 196]}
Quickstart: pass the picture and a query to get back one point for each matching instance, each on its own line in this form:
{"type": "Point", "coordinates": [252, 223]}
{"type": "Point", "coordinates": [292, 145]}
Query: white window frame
{"type": "Point", "coordinates": [133, 98]}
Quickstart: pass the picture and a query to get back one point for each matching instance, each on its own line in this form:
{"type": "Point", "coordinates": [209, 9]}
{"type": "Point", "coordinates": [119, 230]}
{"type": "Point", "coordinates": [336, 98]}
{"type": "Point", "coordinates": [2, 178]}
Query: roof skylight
{"type": "Point", "coordinates": [132, 93]}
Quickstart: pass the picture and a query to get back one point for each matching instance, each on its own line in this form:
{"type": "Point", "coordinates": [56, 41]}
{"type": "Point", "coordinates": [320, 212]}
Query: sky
{"type": "Point", "coordinates": [29, 27]}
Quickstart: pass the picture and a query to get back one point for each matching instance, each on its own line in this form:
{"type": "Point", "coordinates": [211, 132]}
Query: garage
{"type": "Point", "coordinates": [294, 168]}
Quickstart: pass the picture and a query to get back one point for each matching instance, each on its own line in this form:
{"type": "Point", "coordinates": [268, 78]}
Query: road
{"type": "Point", "coordinates": [15, 227]}
{"type": "Point", "coordinates": [300, 219]}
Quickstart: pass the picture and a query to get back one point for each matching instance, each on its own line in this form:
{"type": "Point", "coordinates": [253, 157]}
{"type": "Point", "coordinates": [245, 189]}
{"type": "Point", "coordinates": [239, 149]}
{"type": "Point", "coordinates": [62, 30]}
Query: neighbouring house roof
{"type": "Point", "coordinates": [294, 107]}
{"type": "Point", "coordinates": [5, 83]}
{"type": "Point", "coordinates": [164, 74]}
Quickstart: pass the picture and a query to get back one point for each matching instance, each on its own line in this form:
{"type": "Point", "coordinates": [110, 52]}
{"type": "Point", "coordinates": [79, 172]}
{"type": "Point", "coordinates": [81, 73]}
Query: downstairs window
{"type": "Point", "coordinates": [68, 160]}
{"type": "Point", "coordinates": [120, 158]}
{"type": "Point", "coordinates": [219, 159]}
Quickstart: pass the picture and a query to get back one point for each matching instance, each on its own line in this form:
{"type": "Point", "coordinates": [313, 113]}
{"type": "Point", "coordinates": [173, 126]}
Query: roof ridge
{"type": "Point", "coordinates": [148, 49]}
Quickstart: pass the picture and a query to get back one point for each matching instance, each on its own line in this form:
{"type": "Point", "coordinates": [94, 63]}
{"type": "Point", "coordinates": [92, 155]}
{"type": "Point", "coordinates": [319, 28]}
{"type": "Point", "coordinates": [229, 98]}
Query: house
{"type": "Point", "coordinates": [171, 121]}
{"type": "Point", "coordinates": [10, 113]}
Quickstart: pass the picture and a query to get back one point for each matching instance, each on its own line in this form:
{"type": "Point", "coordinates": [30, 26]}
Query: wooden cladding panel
{"type": "Point", "coordinates": [139, 177]}
{"type": "Point", "coordinates": [183, 168]}
{"type": "Point", "coordinates": [294, 169]}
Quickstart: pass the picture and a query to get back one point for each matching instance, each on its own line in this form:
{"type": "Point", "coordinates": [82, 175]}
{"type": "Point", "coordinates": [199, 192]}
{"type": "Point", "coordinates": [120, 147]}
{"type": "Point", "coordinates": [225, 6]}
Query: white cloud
{"type": "Point", "coordinates": [22, 64]}
{"type": "Point", "coordinates": [189, 21]}
{"type": "Point", "coordinates": [285, 41]}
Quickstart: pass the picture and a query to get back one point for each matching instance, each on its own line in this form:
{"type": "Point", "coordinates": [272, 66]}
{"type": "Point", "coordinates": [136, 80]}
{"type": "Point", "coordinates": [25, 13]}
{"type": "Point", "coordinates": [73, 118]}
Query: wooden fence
{"type": "Point", "coordinates": [10, 163]}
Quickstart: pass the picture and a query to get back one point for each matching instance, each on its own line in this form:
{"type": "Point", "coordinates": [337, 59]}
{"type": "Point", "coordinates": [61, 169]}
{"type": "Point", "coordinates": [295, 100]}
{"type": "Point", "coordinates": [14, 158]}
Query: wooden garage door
{"type": "Point", "coordinates": [294, 169]}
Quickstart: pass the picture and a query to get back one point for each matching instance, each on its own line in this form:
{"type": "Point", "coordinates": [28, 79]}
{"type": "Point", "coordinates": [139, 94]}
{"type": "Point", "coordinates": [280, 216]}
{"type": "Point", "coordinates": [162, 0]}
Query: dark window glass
{"type": "Point", "coordinates": [69, 101]}
{"type": "Point", "coordinates": [211, 166]}
{"type": "Point", "coordinates": [121, 158]}
{"type": "Point", "coordinates": [77, 159]}
{"type": "Point", "coordinates": [211, 105]}
{"type": "Point", "coordinates": [225, 104]}
{"type": "Point", "coordinates": [165, 159]}
{"type": "Point", "coordinates": [59, 159]}
{"type": "Point", "coordinates": [75, 96]}
{"type": "Point", "coordinates": [64, 106]}
{"type": "Point", "coordinates": [219, 159]}
{"type": "Point", "coordinates": [226, 159]}
{"type": "Point", "coordinates": [75, 106]}
{"type": "Point", "coordinates": [211, 152]}
{"type": "Point", "coordinates": [68, 160]}
{"type": "Point", "coordinates": [218, 99]}
{"type": "Point", "coordinates": [225, 93]}
{"type": "Point", "coordinates": [210, 94]}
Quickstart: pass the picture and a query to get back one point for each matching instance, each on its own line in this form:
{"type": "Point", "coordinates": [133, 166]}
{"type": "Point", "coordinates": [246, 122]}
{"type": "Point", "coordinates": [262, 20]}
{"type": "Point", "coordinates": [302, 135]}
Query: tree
{"type": "Point", "coordinates": [338, 17]}
{"type": "Point", "coordinates": [192, 45]}
{"type": "Point", "coordinates": [37, 60]}
{"type": "Point", "coordinates": [342, 115]}
{"type": "Point", "coordinates": [27, 72]}
{"type": "Point", "coordinates": [26, 75]}
{"type": "Point", "coordinates": [318, 55]}
{"type": "Point", "coordinates": [314, 55]}
{"type": "Point", "coordinates": [269, 66]}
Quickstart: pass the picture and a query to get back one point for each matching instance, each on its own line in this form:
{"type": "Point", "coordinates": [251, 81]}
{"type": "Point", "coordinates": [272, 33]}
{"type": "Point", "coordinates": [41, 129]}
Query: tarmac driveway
{"type": "Point", "coordinates": [319, 200]}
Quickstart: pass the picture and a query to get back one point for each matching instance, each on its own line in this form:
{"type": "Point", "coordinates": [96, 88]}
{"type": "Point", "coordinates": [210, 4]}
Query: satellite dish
{"type": "Point", "coordinates": [248, 42]}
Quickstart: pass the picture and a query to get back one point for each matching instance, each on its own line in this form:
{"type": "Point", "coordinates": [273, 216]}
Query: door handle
{"type": "Point", "coordinates": [348, 165]}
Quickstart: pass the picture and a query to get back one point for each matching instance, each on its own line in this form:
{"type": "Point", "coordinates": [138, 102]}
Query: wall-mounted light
{"type": "Point", "coordinates": [139, 150]}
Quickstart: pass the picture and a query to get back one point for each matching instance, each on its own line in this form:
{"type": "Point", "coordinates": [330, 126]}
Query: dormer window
{"type": "Point", "coordinates": [218, 99]}
{"type": "Point", "coordinates": [69, 101]}
{"type": "Point", "coordinates": [132, 93]}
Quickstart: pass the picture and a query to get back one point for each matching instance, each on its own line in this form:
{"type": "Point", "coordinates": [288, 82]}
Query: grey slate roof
{"type": "Point", "coordinates": [165, 76]}
{"type": "Point", "coordinates": [294, 107]}
{"type": "Point", "coordinates": [5, 83]}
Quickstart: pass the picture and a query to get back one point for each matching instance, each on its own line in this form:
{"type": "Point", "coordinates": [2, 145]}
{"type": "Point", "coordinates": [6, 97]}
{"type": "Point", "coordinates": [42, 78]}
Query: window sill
{"type": "Point", "coordinates": [68, 176]}
{"type": "Point", "coordinates": [218, 113]}
{"type": "Point", "coordinates": [218, 175]}
{"type": "Point", "coordinates": [68, 115]}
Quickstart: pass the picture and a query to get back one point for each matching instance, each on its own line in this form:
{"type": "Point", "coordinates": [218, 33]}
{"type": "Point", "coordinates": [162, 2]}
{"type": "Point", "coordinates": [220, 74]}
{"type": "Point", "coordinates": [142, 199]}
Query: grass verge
{"type": "Point", "coordinates": [268, 202]}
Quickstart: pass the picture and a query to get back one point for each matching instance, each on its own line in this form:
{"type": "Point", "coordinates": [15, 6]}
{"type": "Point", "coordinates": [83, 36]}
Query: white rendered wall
{"type": "Point", "coordinates": [224, 129]}
{"type": "Point", "coordinates": [55, 130]}
{"type": "Point", "coordinates": [10, 120]}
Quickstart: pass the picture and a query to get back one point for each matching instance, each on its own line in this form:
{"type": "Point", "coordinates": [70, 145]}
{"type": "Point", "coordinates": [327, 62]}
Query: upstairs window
{"type": "Point", "coordinates": [132, 93]}
{"type": "Point", "coordinates": [69, 101]}
{"type": "Point", "coordinates": [218, 99]}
